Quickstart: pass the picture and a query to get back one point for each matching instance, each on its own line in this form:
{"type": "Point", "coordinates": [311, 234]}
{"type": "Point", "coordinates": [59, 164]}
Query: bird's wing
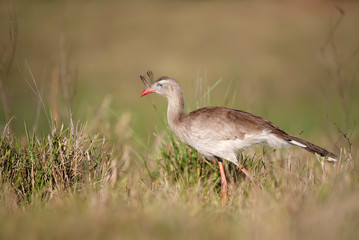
{"type": "Point", "coordinates": [220, 123]}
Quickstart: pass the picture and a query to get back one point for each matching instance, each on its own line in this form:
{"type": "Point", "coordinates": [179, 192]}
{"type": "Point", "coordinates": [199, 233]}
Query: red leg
{"type": "Point", "coordinates": [224, 189]}
{"type": "Point", "coordinates": [245, 172]}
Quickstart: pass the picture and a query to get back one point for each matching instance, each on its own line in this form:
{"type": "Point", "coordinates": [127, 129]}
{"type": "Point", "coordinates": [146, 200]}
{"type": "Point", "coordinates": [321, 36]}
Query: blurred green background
{"type": "Point", "coordinates": [268, 52]}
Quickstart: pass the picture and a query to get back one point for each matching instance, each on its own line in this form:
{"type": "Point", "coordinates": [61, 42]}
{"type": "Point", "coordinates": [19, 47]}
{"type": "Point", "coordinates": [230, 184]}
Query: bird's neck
{"type": "Point", "coordinates": [175, 109]}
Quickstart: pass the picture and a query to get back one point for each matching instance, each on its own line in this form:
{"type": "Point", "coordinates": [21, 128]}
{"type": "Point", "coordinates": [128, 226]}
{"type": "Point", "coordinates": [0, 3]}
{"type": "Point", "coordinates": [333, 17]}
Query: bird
{"type": "Point", "coordinates": [221, 133]}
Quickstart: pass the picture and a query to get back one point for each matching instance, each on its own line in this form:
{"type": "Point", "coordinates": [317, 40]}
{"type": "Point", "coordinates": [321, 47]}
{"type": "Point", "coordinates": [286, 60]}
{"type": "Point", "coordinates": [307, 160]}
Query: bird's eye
{"type": "Point", "coordinates": [160, 84]}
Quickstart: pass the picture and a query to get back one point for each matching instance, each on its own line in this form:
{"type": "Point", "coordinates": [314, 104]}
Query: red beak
{"type": "Point", "coordinates": [147, 91]}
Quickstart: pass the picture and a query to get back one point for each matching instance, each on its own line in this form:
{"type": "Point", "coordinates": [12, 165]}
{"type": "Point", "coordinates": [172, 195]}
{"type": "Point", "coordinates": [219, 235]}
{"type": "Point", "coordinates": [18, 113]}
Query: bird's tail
{"type": "Point", "coordinates": [310, 147]}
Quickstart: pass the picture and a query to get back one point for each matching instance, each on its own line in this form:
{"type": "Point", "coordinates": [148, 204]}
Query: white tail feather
{"type": "Point", "coordinates": [297, 143]}
{"type": "Point", "coordinates": [330, 159]}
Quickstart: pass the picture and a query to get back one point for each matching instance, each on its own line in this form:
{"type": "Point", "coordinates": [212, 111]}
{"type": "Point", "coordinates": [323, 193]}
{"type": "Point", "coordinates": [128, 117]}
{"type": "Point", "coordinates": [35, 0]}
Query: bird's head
{"type": "Point", "coordinates": [165, 86]}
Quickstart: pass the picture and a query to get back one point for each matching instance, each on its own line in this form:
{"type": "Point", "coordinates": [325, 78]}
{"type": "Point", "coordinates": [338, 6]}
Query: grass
{"type": "Point", "coordinates": [64, 161]}
{"type": "Point", "coordinates": [68, 185]}
{"type": "Point", "coordinates": [71, 185]}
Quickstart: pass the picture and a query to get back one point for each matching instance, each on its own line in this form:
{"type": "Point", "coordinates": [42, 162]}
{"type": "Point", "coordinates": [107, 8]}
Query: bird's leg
{"type": "Point", "coordinates": [224, 189]}
{"type": "Point", "coordinates": [245, 172]}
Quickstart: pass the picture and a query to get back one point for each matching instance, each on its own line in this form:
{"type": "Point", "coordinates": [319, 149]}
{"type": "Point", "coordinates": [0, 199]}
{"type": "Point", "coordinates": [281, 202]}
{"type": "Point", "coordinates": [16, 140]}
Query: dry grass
{"type": "Point", "coordinates": [293, 197]}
